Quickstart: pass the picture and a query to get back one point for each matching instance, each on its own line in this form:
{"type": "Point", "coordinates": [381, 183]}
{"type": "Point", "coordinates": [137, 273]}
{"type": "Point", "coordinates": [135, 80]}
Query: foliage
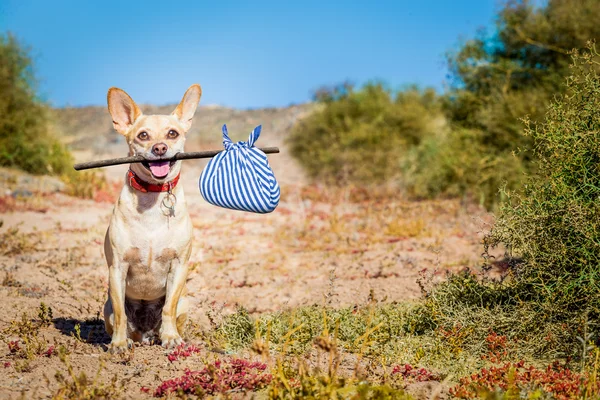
{"type": "Point", "coordinates": [25, 340]}
{"type": "Point", "coordinates": [358, 135]}
{"type": "Point", "coordinates": [515, 71]}
{"type": "Point", "coordinates": [366, 329]}
{"type": "Point", "coordinates": [547, 304]}
{"type": "Point", "coordinates": [466, 310]}
{"type": "Point", "coordinates": [410, 373]}
{"type": "Point", "coordinates": [91, 185]}
{"type": "Point", "coordinates": [552, 224]}
{"type": "Point", "coordinates": [237, 330]}
{"type": "Point", "coordinates": [301, 383]}
{"type": "Point", "coordinates": [458, 164]}
{"type": "Point", "coordinates": [403, 333]}
{"type": "Point", "coordinates": [26, 140]}
{"type": "Point", "coordinates": [183, 351]}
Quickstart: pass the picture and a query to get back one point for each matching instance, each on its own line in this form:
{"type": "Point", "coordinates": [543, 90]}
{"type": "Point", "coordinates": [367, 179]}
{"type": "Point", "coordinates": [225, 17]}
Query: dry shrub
{"type": "Point", "coordinates": [75, 386]}
{"type": "Point", "coordinates": [13, 242]}
{"type": "Point", "coordinates": [91, 185]}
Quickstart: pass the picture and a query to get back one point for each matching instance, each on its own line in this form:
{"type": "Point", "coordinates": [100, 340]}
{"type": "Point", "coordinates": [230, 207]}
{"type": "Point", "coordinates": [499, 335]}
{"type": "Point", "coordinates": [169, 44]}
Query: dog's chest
{"type": "Point", "coordinates": [151, 243]}
{"type": "Point", "coordinates": [148, 270]}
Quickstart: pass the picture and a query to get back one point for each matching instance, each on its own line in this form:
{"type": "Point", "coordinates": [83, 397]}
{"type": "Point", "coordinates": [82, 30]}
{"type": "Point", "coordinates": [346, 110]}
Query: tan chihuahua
{"type": "Point", "coordinates": [149, 240]}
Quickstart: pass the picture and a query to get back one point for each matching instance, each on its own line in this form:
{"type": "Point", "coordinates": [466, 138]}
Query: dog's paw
{"type": "Point", "coordinates": [120, 346]}
{"type": "Point", "coordinates": [170, 341]}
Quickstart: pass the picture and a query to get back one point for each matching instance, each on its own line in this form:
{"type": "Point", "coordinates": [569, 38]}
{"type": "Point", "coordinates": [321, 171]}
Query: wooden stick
{"type": "Point", "coordinates": [178, 156]}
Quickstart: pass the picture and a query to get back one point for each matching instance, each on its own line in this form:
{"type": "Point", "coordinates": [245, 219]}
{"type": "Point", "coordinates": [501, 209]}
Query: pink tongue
{"type": "Point", "coordinates": [160, 169]}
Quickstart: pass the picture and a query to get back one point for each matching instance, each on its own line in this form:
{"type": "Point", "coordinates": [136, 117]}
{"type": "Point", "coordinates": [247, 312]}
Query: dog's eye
{"type": "Point", "coordinates": [172, 134]}
{"type": "Point", "coordinates": [143, 136]}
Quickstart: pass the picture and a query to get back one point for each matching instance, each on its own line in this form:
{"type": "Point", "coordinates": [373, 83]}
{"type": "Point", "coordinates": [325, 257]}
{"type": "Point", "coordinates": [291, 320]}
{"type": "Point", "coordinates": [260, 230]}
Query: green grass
{"type": "Point", "coordinates": [399, 333]}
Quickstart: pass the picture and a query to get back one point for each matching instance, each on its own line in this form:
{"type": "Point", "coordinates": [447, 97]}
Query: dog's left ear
{"type": "Point", "coordinates": [186, 109]}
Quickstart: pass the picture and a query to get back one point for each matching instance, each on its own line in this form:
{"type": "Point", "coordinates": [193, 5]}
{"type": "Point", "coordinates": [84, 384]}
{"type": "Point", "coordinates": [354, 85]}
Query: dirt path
{"type": "Point", "coordinates": [307, 252]}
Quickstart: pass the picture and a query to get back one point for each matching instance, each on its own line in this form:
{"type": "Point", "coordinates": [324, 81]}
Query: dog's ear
{"type": "Point", "coordinates": [123, 110]}
{"type": "Point", "coordinates": [186, 109]}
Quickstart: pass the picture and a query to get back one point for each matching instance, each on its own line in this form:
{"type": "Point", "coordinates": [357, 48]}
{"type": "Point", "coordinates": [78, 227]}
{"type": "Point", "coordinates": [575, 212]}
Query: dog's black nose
{"type": "Point", "coordinates": [159, 149]}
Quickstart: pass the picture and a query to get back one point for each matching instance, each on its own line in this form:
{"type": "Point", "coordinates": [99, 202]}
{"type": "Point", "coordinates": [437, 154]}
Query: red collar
{"type": "Point", "coordinates": [136, 183]}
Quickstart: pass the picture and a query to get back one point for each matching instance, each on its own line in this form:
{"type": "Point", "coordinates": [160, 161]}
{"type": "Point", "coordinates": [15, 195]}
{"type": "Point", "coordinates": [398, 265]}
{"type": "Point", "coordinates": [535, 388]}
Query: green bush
{"type": "Point", "coordinates": [26, 140]}
{"type": "Point", "coordinates": [374, 136]}
{"type": "Point", "coordinates": [496, 79]}
{"type": "Point", "coordinates": [501, 77]}
{"type": "Point", "coordinates": [554, 223]}
{"type": "Point", "coordinates": [549, 301]}
{"type": "Point", "coordinates": [359, 136]}
{"type": "Point", "coordinates": [458, 164]}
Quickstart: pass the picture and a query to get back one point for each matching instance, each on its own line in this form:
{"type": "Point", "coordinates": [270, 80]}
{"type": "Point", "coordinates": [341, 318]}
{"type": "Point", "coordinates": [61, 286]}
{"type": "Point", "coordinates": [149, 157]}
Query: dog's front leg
{"type": "Point", "coordinates": [169, 335]}
{"type": "Point", "coordinates": [117, 274]}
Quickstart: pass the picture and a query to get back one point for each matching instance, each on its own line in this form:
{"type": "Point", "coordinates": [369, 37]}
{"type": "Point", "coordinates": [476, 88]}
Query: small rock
{"type": "Point", "coordinates": [21, 192]}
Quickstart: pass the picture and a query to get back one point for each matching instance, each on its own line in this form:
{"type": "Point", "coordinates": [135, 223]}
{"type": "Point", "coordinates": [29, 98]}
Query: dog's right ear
{"type": "Point", "coordinates": [187, 107]}
{"type": "Point", "coordinates": [122, 109]}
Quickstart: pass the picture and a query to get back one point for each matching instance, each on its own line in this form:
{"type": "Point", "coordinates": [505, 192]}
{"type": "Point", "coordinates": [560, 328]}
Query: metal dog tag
{"type": "Point", "coordinates": [169, 202]}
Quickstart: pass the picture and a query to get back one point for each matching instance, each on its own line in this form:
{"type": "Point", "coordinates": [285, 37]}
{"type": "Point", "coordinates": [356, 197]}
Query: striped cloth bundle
{"type": "Point", "coordinates": [240, 177]}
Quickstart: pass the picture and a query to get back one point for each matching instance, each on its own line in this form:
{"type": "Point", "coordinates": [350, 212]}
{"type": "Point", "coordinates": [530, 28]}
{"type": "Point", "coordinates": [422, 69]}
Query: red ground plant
{"type": "Point", "coordinates": [50, 352]}
{"type": "Point", "coordinates": [410, 373]}
{"type": "Point", "coordinates": [13, 346]}
{"type": "Point", "coordinates": [218, 378]}
{"type": "Point", "coordinates": [497, 348]}
{"type": "Point", "coordinates": [556, 380]}
{"type": "Point", "coordinates": [183, 351]}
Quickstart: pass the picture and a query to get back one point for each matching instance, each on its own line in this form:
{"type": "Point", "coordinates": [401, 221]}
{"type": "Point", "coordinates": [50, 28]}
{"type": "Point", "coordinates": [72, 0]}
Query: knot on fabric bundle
{"type": "Point", "coordinates": [228, 144]}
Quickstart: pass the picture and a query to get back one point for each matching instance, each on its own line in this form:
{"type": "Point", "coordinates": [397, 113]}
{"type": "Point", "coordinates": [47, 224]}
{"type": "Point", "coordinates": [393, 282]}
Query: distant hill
{"type": "Point", "coordinates": [89, 129]}
{"type": "Point", "coordinates": [89, 133]}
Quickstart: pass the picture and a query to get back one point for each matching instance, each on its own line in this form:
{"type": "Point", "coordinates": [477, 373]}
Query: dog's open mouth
{"type": "Point", "coordinates": [159, 169]}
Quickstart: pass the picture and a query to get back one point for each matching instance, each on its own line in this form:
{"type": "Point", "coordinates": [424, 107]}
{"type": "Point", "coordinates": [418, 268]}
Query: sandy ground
{"type": "Point", "coordinates": [317, 247]}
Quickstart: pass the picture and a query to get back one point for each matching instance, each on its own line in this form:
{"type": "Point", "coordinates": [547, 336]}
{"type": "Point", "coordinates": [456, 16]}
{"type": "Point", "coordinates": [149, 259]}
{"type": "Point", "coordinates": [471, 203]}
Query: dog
{"type": "Point", "coordinates": [149, 239]}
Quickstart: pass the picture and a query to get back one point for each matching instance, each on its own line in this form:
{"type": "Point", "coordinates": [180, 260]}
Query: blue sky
{"type": "Point", "coordinates": [244, 54]}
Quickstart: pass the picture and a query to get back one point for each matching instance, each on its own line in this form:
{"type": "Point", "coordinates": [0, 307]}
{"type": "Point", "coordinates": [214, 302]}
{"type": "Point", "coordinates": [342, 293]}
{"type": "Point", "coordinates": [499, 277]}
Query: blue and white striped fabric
{"type": "Point", "coordinates": [240, 177]}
